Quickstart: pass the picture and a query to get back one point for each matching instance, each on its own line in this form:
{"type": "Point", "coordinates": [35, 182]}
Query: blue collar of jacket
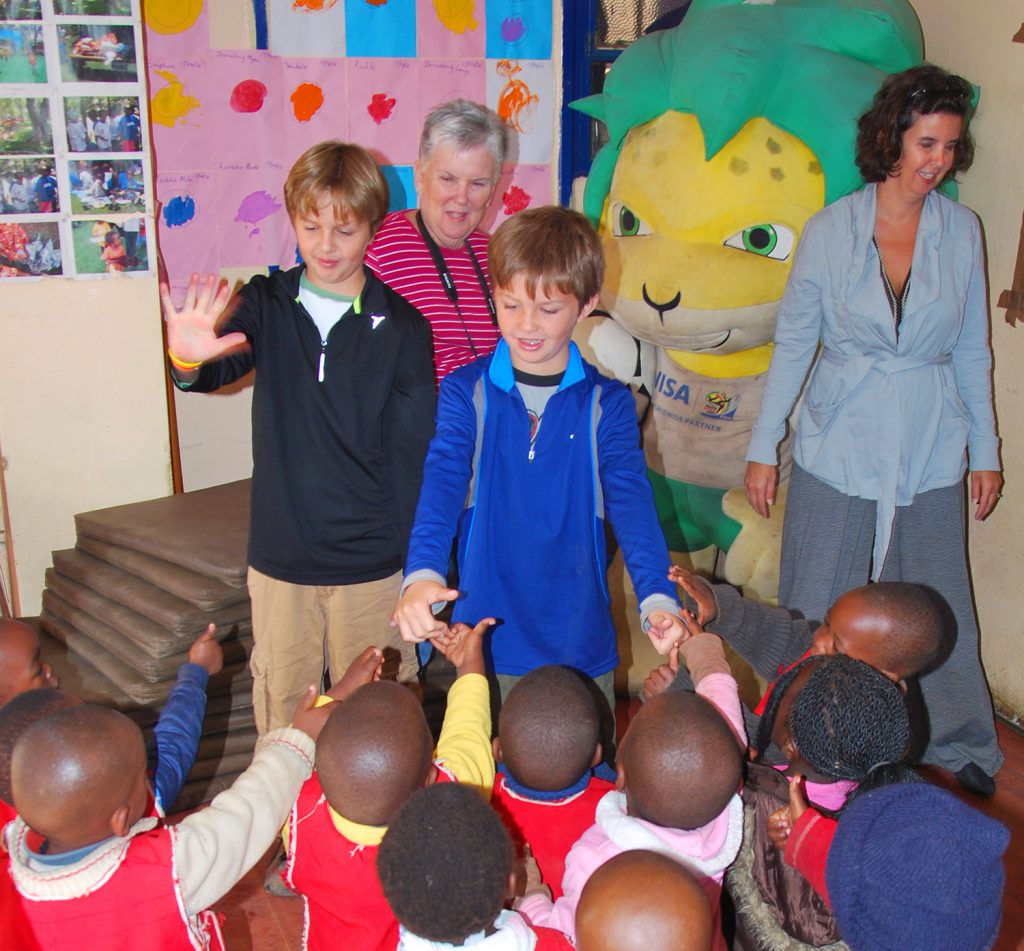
{"type": "Point", "coordinates": [501, 374]}
{"type": "Point", "coordinates": [551, 795]}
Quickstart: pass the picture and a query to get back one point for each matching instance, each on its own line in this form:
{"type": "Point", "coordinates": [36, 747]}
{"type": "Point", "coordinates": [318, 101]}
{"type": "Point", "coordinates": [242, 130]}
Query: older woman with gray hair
{"type": "Point", "coordinates": [436, 256]}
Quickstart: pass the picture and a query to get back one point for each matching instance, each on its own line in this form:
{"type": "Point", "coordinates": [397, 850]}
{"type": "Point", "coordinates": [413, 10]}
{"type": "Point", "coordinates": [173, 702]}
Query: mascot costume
{"type": "Point", "coordinates": [726, 133]}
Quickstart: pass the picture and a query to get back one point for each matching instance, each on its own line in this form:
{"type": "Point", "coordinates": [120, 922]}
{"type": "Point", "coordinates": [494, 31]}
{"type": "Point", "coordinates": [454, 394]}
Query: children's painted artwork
{"type": "Point", "coordinates": [229, 123]}
{"type": "Point", "coordinates": [74, 140]}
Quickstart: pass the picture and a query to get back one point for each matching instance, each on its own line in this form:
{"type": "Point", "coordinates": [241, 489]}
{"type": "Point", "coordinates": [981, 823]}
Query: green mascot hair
{"type": "Point", "coordinates": [810, 67]}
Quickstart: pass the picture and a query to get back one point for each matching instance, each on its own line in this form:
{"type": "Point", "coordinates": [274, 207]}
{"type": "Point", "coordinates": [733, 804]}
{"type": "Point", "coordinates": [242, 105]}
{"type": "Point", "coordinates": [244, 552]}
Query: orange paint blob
{"type": "Point", "coordinates": [313, 5]}
{"type": "Point", "coordinates": [307, 100]}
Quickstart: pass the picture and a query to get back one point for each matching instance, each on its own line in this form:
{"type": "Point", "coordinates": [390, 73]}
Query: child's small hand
{"type": "Point", "coordinates": [192, 331]}
{"type": "Point", "coordinates": [698, 589]}
{"type": "Point", "coordinates": [207, 652]}
{"type": "Point", "coordinates": [528, 879]}
{"type": "Point", "coordinates": [781, 822]}
{"type": "Point", "coordinates": [666, 630]}
{"type": "Point", "coordinates": [414, 614]}
{"type": "Point", "coordinates": [464, 646]}
{"type": "Point", "coordinates": [310, 718]}
{"type": "Point", "coordinates": [658, 680]}
{"type": "Point", "coordinates": [365, 669]}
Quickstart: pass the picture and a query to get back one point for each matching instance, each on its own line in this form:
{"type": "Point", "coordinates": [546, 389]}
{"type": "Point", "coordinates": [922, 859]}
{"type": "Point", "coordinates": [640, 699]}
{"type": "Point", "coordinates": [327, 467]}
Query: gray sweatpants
{"type": "Point", "coordinates": [826, 550]}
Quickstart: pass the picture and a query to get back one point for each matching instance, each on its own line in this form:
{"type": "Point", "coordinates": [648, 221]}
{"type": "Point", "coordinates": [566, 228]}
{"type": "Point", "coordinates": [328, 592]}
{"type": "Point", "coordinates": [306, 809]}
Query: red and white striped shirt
{"type": "Point", "coordinates": [399, 256]}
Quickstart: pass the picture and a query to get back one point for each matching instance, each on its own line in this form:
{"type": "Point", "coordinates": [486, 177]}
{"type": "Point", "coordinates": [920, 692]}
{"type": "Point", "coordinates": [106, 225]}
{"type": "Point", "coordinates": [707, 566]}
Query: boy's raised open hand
{"type": "Point", "coordinates": [414, 614]}
{"type": "Point", "coordinates": [464, 646]}
{"type": "Point", "coordinates": [192, 331]}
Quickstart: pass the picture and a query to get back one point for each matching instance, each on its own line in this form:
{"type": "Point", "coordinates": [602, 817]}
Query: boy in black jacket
{"type": "Point", "coordinates": [342, 412]}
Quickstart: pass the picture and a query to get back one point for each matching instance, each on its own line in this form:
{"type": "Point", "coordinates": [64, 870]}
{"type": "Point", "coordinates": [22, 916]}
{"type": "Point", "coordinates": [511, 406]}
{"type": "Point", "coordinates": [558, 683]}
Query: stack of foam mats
{"type": "Point", "coordinates": [122, 608]}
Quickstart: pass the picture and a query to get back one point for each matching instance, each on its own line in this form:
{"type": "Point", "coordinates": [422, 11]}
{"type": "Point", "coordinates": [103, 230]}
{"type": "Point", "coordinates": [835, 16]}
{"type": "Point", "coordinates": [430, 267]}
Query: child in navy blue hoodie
{"type": "Point", "coordinates": [534, 451]}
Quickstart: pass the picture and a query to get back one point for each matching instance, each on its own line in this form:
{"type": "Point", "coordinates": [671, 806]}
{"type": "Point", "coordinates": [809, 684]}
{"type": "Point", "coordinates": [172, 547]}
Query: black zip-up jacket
{"type": "Point", "coordinates": [339, 429]}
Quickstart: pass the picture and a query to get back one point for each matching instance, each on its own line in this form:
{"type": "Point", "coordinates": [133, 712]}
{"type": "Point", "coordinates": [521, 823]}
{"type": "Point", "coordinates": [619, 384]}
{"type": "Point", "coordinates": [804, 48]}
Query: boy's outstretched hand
{"type": "Point", "coordinates": [365, 669]}
{"type": "Point", "coordinates": [698, 589]}
{"type": "Point", "coordinates": [464, 646]}
{"type": "Point", "coordinates": [192, 331]}
{"type": "Point", "coordinates": [206, 651]}
{"type": "Point", "coordinates": [666, 629]}
{"type": "Point", "coordinates": [414, 614]}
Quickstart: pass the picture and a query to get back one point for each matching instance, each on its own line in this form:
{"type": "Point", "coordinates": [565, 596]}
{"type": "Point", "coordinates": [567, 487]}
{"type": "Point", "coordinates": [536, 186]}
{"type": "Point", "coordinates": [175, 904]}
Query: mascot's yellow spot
{"type": "Point", "coordinates": [814, 167]}
{"type": "Point", "coordinates": [171, 104]}
{"type": "Point", "coordinates": [455, 15]}
{"type": "Point", "coordinates": [171, 16]}
{"type": "Point", "coordinates": [671, 233]}
{"type": "Point", "coordinates": [773, 146]}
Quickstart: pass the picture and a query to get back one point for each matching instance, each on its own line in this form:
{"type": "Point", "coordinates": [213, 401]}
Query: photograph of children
{"type": "Point", "coordinates": [105, 246]}
{"type": "Point", "coordinates": [21, 53]}
{"type": "Point", "coordinates": [103, 123]}
{"type": "Point", "coordinates": [25, 126]}
{"type": "Point", "coordinates": [20, 10]}
{"type": "Point", "coordinates": [97, 53]}
{"type": "Point", "coordinates": [93, 8]}
{"type": "Point", "coordinates": [28, 187]}
{"type": "Point", "coordinates": [105, 185]}
{"type": "Point", "coordinates": [28, 249]}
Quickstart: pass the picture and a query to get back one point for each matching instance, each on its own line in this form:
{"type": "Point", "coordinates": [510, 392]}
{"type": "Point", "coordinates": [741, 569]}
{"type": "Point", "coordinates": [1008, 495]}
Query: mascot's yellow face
{"type": "Point", "coordinates": [698, 252]}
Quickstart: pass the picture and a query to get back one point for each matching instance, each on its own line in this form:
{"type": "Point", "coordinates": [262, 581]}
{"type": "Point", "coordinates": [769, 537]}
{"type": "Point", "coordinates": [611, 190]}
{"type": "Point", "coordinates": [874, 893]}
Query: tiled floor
{"type": "Point", "coordinates": [261, 922]}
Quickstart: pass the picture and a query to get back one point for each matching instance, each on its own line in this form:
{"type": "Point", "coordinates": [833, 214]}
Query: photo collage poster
{"type": "Point", "coordinates": [227, 124]}
{"type": "Point", "coordinates": [75, 195]}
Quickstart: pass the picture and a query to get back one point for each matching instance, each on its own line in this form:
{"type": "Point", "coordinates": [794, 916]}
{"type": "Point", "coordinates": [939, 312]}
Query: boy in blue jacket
{"type": "Point", "coordinates": [533, 451]}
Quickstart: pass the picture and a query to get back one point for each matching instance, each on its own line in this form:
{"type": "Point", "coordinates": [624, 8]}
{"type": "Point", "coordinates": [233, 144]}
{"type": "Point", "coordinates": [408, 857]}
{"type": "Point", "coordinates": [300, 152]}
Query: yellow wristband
{"type": "Point", "coordinates": [183, 365]}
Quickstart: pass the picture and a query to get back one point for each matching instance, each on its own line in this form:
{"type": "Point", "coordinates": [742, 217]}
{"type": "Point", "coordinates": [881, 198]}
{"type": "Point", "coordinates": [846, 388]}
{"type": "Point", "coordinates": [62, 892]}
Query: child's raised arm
{"type": "Point", "coordinates": [192, 331]}
{"type": "Point", "coordinates": [464, 646]}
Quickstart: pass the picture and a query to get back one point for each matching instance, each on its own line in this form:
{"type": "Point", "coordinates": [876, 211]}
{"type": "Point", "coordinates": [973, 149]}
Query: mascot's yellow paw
{"type": "Point", "coordinates": [752, 562]}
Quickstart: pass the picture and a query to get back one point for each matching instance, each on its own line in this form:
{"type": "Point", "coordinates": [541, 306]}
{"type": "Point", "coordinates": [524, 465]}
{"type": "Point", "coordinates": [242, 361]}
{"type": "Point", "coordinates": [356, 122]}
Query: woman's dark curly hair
{"type": "Point", "coordinates": [902, 100]}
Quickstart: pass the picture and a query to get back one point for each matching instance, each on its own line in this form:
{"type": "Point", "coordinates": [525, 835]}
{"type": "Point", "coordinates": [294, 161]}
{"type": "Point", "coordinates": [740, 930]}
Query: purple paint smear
{"type": "Point", "coordinates": [180, 210]}
{"type": "Point", "coordinates": [513, 29]}
{"type": "Point", "coordinates": [255, 207]}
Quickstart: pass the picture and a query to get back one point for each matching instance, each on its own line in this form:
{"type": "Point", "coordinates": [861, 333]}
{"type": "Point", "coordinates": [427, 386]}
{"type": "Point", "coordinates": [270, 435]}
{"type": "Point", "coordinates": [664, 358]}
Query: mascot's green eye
{"type": "Point", "coordinates": [625, 224]}
{"type": "Point", "coordinates": [769, 241]}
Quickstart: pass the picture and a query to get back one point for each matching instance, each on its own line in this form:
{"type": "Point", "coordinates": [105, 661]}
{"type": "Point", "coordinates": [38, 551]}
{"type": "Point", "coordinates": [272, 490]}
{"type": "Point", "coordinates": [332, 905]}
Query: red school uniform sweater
{"type": "Point", "coordinates": [550, 828]}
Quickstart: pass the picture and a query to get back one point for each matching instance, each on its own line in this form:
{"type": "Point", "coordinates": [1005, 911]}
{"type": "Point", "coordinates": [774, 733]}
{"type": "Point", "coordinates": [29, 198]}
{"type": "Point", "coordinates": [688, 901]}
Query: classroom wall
{"type": "Point", "coordinates": [976, 40]}
{"type": "Point", "coordinates": [83, 411]}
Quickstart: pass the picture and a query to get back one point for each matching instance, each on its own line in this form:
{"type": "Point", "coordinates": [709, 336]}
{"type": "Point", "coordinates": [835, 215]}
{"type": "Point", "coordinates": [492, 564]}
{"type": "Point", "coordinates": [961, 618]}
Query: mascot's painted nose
{"type": "Point", "coordinates": [662, 306]}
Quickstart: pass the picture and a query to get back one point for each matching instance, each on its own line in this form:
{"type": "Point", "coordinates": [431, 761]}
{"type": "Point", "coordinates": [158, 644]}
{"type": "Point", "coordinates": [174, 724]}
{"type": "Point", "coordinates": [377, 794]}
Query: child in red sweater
{"type": "Point", "coordinates": [547, 744]}
{"type": "Point", "coordinates": [374, 752]}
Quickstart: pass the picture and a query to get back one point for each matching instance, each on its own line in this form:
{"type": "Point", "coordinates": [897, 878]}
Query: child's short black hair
{"type": "Point", "coordinates": [549, 726]}
{"type": "Point", "coordinates": [920, 634]}
{"type": "Point", "coordinates": [681, 760]}
{"type": "Point", "coordinates": [16, 716]}
{"type": "Point", "coordinates": [373, 752]}
{"type": "Point", "coordinates": [444, 863]}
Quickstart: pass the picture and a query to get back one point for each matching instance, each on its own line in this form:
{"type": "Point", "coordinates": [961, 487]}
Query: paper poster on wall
{"type": "Point", "coordinates": [22, 55]}
{"type": "Point", "coordinates": [183, 94]}
{"type": "Point", "coordinates": [252, 224]}
{"type": "Point", "coordinates": [315, 106]}
{"type": "Point", "coordinates": [380, 29]}
{"type": "Point", "coordinates": [243, 90]}
{"type": "Point", "coordinates": [97, 53]}
{"type": "Point", "coordinates": [110, 246]}
{"type": "Point", "coordinates": [445, 80]}
{"type": "Point", "coordinates": [522, 93]}
{"type": "Point", "coordinates": [306, 27]}
{"type": "Point", "coordinates": [30, 249]}
{"type": "Point", "coordinates": [383, 104]}
{"type": "Point", "coordinates": [451, 29]}
{"type": "Point", "coordinates": [187, 223]}
{"type": "Point", "coordinates": [518, 29]}
{"type": "Point", "coordinates": [527, 186]}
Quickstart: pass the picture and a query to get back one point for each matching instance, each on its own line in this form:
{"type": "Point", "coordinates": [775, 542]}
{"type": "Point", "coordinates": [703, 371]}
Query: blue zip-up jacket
{"type": "Point", "coordinates": [531, 531]}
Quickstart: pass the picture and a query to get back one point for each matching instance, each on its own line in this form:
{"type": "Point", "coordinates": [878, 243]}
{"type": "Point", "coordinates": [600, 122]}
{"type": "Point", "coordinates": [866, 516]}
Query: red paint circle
{"type": "Point", "coordinates": [248, 96]}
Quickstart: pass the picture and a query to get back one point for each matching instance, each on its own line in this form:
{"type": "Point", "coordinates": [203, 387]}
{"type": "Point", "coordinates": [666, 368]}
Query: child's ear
{"type": "Point", "coordinates": [431, 775]}
{"type": "Point", "coordinates": [620, 776]}
{"type": "Point", "coordinates": [598, 753]}
{"type": "Point", "coordinates": [588, 308]}
{"type": "Point", "coordinates": [496, 749]}
{"type": "Point", "coordinates": [119, 821]}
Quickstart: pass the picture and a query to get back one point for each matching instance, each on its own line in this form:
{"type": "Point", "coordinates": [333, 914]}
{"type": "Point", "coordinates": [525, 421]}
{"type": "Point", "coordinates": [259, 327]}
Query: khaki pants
{"type": "Point", "coordinates": [301, 630]}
